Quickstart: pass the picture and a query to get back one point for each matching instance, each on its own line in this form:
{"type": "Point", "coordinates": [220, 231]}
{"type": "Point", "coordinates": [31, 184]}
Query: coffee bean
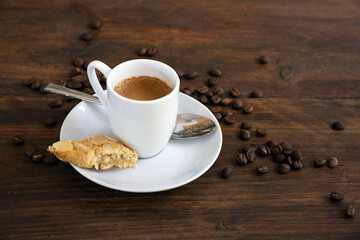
{"type": "Point", "coordinates": [218, 116]}
{"type": "Point", "coordinates": [248, 108]}
{"type": "Point", "coordinates": [229, 120]}
{"type": "Point", "coordinates": [249, 147]}
{"type": "Point", "coordinates": [337, 196]}
{"type": "Point", "coordinates": [95, 24]}
{"type": "Point", "coordinates": [226, 172]}
{"type": "Point", "coordinates": [288, 160]}
{"type": "Point", "coordinates": [203, 89]}
{"type": "Point", "coordinates": [85, 65]}
{"type": "Point", "coordinates": [287, 148]}
{"type": "Point", "coordinates": [203, 99]}
{"type": "Point", "coordinates": [271, 143]}
{"type": "Point", "coordinates": [50, 159]}
{"type": "Point", "coordinates": [187, 91]}
{"type": "Point", "coordinates": [338, 126]}
{"type": "Point", "coordinates": [256, 94]}
{"type": "Point", "coordinates": [29, 81]}
{"type": "Point", "coordinates": [263, 169]}
{"type": "Point", "coordinates": [86, 36]}
{"type": "Point", "coordinates": [261, 132]}
{"type": "Point", "coordinates": [79, 78]}
{"type": "Point", "coordinates": [235, 92]}
{"type": "Point", "coordinates": [226, 113]}
{"type": "Point", "coordinates": [297, 165]}
{"type": "Point", "coordinates": [350, 211]}
{"type": "Point", "coordinates": [74, 84]}
{"type": "Point", "coordinates": [263, 150]}
{"type": "Point", "coordinates": [179, 73]}
{"type": "Point", "coordinates": [37, 157]}
{"type": "Point", "coordinates": [78, 62]}
{"type": "Point", "coordinates": [284, 168]}
{"type": "Point", "coordinates": [50, 122]}
{"type": "Point", "coordinates": [279, 158]}
{"type": "Point", "coordinates": [263, 59]}
{"type": "Point", "coordinates": [211, 82]}
{"type": "Point", "coordinates": [215, 72]}
{"type": "Point", "coordinates": [29, 151]}
{"type": "Point", "coordinates": [226, 101]}
{"type": "Point", "coordinates": [276, 149]}
{"type": "Point", "coordinates": [245, 134]}
{"type": "Point", "coordinates": [319, 162]}
{"type": "Point", "coordinates": [209, 94]}
{"type": "Point", "coordinates": [241, 159]}
{"type": "Point", "coordinates": [246, 125]}
{"type": "Point", "coordinates": [36, 85]}
{"type": "Point", "coordinates": [191, 75]}
{"type": "Point", "coordinates": [151, 51]}
{"type": "Point", "coordinates": [216, 109]}
{"type": "Point", "coordinates": [296, 156]}
{"type": "Point", "coordinates": [237, 104]}
{"type": "Point", "coordinates": [18, 140]}
{"type": "Point", "coordinates": [56, 103]}
{"type": "Point", "coordinates": [332, 162]}
{"type": "Point", "coordinates": [77, 71]}
{"type": "Point", "coordinates": [86, 84]}
{"type": "Point", "coordinates": [251, 154]}
{"type": "Point", "coordinates": [216, 99]}
{"type": "Point", "coordinates": [141, 51]}
{"type": "Point", "coordinates": [88, 90]}
{"type": "Point", "coordinates": [218, 91]}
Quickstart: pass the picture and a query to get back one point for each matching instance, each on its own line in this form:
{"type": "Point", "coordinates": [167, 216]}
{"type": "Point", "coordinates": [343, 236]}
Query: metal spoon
{"type": "Point", "coordinates": [187, 125]}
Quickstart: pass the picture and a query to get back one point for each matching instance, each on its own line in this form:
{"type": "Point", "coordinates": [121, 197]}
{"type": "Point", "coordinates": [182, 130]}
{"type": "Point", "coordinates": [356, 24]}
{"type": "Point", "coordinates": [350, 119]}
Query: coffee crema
{"type": "Point", "coordinates": [142, 88]}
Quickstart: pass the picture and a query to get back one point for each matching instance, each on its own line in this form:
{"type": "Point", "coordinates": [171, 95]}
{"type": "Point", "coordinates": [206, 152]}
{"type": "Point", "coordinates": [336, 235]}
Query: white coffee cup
{"type": "Point", "coordinates": [144, 126]}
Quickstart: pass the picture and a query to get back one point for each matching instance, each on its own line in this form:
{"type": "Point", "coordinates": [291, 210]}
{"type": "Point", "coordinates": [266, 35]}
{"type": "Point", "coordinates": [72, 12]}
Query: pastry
{"type": "Point", "coordinates": [98, 151]}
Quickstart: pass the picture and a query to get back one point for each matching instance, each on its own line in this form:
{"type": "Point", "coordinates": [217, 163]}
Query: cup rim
{"type": "Point", "coordinates": [174, 91]}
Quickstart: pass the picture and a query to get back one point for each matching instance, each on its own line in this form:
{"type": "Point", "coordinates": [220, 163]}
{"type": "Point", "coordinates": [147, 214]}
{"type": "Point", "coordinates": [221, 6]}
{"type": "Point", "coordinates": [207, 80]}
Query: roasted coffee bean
{"type": "Point", "coordinates": [235, 92]}
{"type": "Point", "coordinates": [279, 158]}
{"type": "Point", "coordinates": [215, 72]}
{"type": "Point", "coordinates": [226, 101]}
{"type": "Point", "coordinates": [287, 148]}
{"type": "Point", "coordinates": [226, 113]}
{"type": "Point", "coordinates": [263, 169]}
{"type": "Point", "coordinates": [218, 116]}
{"type": "Point", "coordinates": [36, 85]}
{"type": "Point", "coordinates": [332, 162]}
{"type": "Point", "coordinates": [263, 150]}
{"type": "Point", "coordinates": [241, 159]}
{"type": "Point", "coordinates": [203, 90]}
{"type": "Point", "coordinates": [263, 59]}
{"type": "Point", "coordinates": [29, 151]}
{"type": "Point", "coordinates": [226, 172]}
{"type": "Point", "coordinates": [276, 149]}
{"type": "Point", "coordinates": [216, 99]}
{"type": "Point", "coordinates": [203, 99]}
{"type": "Point", "coordinates": [256, 94]}
{"type": "Point", "coordinates": [246, 125]}
{"type": "Point", "coordinates": [179, 72]}
{"type": "Point", "coordinates": [245, 134]}
{"type": "Point", "coordinates": [337, 196]}
{"type": "Point", "coordinates": [77, 71]}
{"type": "Point", "coordinates": [74, 84]}
{"type": "Point", "coordinates": [297, 165]}
{"type": "Point", "coordinates": [218, 91]}
{"type": "Point", "coordinates": [151, 51]}
{"type": "Point", "coordinates": [261, 132]}
{"type": "Point", "coordinates": [338, 126]}
{"type": "Point", "coordinates": [350, 211]}
{"type": "Point", "coordinates": [209, 94]}
{"type": "Point", "coordinates": [103, 79]}
{"type": "Point", "coordinates": [251, 155]}
{"type": "Point", "coordinates": [86, 64]}
{"type": "Point", "coordinates": [37, 157]}
{"type": "Point", "coordinates": [187, 91]}
{"type": "Point", "coordinates": [88, 90]}
{"type": "Point", "coordinates": [215, 109]}
{"type": "Point", "coordinates": [50, 159]}
{"type": "Point", "coordinates": [296, 155]}
{"type": "Point", "coordinates": [248, 108]}
{"type": "Point", "coordinates": [271, 143]}
{"type": "Point", "coordinates": [56, 103]}
{"type": "Point", "coordinates": [211, 82]}
{"type": "Point", "coordinates": [288, 160]}
{"type": "Point", "coordinates": [284, 168]}
{"type": "Point", "coordinates": [18, 140]}
{"type": "Point", "coordinates": [191, 75]}
{"type": "Point", "coordinates": [78, 62]}
{"type": "Point", "coordinates": [79, 78]}
{"type": "Point", "coordinates": [141, 51]}
{"type": "Point", "coordinates": [250, 147]}
{"type": "Point", "coordinates": [86, 84]}
{"type": "Point", "coordinates": [69, 99]}
{"type": "Point", "coordinates": [229, 119]}
{"type": "Point", "coordinates": [319, 162]}
{"type": "Point", "coordinates": [29, 81]}
{"type": "Point", "coordinates": [95, 24]}
{"type": "Point", "coordinates": [86, 36]}
{"type": "Point", "coordinates": [237, 104]}
{"type": "Point", "coordinates": [50, 122]}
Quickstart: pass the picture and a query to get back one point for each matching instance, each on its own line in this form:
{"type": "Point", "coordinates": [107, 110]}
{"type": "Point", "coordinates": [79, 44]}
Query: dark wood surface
{"type": "Point", "coordinates": [317, 42]}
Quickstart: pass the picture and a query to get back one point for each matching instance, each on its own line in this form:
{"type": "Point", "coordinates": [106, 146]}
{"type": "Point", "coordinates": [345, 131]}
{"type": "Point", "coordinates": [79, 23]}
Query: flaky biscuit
{"type": "Point", "coordinates": [98, 151]}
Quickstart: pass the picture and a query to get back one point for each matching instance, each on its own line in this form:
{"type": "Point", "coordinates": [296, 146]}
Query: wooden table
{"type": "Point", "coordinates": [311, 80]}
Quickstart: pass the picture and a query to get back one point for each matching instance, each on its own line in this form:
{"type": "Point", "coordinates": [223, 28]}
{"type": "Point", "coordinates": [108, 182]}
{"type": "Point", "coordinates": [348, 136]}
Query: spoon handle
{"type": "Point", "coordinates": [54, 88]}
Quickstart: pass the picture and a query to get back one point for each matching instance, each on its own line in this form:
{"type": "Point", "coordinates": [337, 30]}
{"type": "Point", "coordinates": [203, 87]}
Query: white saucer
{"type": "Point", "coordinates": [181, 162]}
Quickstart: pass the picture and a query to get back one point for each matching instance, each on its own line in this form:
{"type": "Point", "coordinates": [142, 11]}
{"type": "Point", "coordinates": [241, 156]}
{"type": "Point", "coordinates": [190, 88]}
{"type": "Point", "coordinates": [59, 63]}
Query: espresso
{"type": "Point", "coordinates": [142, 88]}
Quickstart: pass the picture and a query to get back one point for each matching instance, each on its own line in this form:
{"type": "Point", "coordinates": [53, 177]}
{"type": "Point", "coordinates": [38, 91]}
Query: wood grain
{"type": "Point", "coordinates": [314, 43]}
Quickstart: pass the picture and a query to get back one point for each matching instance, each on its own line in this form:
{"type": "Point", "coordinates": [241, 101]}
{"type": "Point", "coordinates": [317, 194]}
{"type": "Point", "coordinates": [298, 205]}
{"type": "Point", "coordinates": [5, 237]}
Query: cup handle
{"type": "Point", "coordinates": [94, 81]}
